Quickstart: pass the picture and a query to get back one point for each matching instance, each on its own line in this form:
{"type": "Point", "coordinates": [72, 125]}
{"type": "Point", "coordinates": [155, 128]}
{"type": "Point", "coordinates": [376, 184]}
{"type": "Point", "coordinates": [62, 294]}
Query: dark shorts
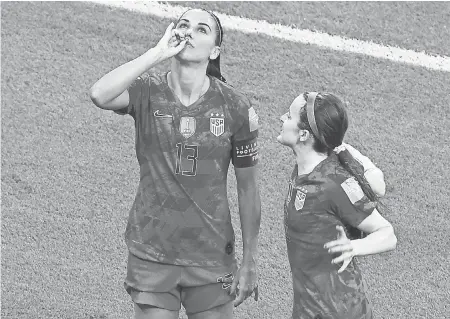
{"type": "Point", "coordinates": [330, 295]}
{"type": "Point", "coordinates": [170, 286]}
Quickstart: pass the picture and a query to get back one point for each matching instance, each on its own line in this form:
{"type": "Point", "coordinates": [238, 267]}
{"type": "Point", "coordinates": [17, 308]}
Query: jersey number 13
{"type": "Point", "coordinates": [190, 152]}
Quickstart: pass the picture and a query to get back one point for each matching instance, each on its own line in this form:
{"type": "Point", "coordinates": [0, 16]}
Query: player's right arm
{"type": "Point", "coordinates": [111, 91]}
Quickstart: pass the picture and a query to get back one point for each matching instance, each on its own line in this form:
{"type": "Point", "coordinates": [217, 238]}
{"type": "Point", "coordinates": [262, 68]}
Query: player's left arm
{"type": "Point", "coordinates": [245, 161]}
{"type": "Point", "coordinates": [246, 281]}
{"type": "Point", "coordinates": [381, 236]}
{"type": "Point", "coordinates": [354, 208]}
{"type": "Point", "coordinates": [249, 210]}
{"type": "Point", "coordinates": [372, 173]}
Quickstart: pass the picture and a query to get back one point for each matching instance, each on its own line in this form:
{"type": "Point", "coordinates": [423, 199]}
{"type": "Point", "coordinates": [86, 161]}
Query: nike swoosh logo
{"type": "Point", "coordinates": [158, 114]}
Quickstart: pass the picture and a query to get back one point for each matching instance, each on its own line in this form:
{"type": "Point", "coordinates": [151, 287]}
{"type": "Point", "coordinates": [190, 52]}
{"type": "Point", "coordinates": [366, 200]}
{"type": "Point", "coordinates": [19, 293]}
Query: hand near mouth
{"type": "Point", "coordinates": [170, 44]}
{"type": "Point", "coordinates": [181, 36]}
{"type": "Point", "coordinates": [176, 38]}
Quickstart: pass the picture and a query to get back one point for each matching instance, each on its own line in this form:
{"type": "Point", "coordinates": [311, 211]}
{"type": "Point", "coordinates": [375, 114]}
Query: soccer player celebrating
{"type": "Point", "coordinates": [189, 125]}
{"type": "Point", "coordinates": [328, 192]}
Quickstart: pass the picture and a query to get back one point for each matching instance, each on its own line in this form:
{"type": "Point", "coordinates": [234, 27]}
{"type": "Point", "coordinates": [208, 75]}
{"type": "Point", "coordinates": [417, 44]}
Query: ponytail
{"type": "Point", "coordinates": [213, 69]}
{"type": "Point", "coordinates": [354, 167]}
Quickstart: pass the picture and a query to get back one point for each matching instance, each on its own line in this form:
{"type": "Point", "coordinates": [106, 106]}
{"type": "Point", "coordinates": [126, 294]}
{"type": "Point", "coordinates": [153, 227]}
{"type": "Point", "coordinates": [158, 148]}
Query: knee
{"type": "Point", "coordinates": [224, 311]}
{"type": "Point", "coordinates": [142, 311]}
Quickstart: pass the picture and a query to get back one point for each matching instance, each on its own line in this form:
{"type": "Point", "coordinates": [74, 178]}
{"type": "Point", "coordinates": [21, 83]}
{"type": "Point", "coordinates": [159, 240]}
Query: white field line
{"type": "Point", "coordinates": [161, 10]}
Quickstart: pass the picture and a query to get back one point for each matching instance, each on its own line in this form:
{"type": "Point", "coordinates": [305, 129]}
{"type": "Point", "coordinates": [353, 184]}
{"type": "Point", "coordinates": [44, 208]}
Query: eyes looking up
{"type": "Point", "coordinates": [185, 25]}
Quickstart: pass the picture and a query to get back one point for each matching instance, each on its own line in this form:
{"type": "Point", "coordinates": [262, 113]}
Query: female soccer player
{"type": "Point", "coordinates": [189, 125]}
{"type": "Point", "coordinates": [327, 194]}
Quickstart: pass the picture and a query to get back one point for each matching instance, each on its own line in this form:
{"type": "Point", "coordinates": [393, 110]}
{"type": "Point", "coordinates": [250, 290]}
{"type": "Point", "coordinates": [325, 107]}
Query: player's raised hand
{"type": "Point", "coordinates": [245, 284]}
{"type": "Point", "coordinates": [171, 43]}
{"type": "Point", "coordinates": [341, 245]}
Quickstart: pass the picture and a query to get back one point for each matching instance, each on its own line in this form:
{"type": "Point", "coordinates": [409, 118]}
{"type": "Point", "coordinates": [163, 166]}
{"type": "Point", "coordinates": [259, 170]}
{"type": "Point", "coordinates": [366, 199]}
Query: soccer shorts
{"type": "Point", "coordinates": [169, 286]}
{"type": "Point", "coordinates": [329, 295]}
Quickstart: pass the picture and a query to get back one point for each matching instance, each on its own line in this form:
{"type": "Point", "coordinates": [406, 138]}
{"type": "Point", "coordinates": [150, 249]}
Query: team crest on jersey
{"type": "Point", "coordinates": [300, 198]}
{"type": "Point", "coordinates": [217, 124]}
{"type": "Point", "coordinates": [187, 126]}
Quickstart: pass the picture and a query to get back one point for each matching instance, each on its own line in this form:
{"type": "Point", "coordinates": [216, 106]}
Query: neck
{"type": "Point", "coordinates": [188, 80]}
{"type": "Point", "coordinates": [307, 159]}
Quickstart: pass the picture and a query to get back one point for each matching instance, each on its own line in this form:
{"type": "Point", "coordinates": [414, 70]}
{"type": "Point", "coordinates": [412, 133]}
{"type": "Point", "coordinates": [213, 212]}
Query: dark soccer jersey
{"type": "Point", "coordinates": [180, 214]}
{"type": "Point", "coordinates": [315, 204]}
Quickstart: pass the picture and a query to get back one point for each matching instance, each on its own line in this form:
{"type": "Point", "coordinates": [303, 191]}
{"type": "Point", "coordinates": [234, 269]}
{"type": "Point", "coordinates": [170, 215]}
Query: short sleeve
{"type": "Point", "coordinates": [135, 92]}
{"type": "Point", "coordinates": [350, 202]}
{"type": "Point", "coordinates": [245, 138]}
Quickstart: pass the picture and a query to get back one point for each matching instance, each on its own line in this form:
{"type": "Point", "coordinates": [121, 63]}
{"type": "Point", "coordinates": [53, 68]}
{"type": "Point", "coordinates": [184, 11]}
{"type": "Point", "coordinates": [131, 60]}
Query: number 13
{"type": "Point", "coordinates": [193, 157]}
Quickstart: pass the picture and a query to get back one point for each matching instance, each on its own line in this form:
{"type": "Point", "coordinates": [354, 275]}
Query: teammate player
{"type": "Point", "coordinates": [189, 125]}
{"type": "Point", "coordinates": [327, 193]}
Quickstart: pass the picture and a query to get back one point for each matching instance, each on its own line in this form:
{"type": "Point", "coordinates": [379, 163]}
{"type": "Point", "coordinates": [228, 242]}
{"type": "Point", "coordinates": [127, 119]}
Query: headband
{"type": "Point", "coordinates": [217, 23]}
{"type": "Point", "coordinates": [311, 98]}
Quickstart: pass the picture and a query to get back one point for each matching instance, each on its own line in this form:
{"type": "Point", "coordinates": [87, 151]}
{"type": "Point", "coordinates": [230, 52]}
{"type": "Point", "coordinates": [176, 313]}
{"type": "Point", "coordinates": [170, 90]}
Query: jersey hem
{"type": "Point", "coordinates": [149, 253]}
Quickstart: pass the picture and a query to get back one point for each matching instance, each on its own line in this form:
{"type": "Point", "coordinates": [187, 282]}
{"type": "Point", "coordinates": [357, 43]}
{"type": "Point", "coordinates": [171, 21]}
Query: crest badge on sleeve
{"type": "Point", "coordinates": [253, 119]}
{"type": "Point", "coordinates": [187, 126]}
{"type": "Point", "coordinates": [352, 189]}
{"type": "Point", "coordinates": [300, 198]}
{"type": "Point", "coordinates": [217, 124]}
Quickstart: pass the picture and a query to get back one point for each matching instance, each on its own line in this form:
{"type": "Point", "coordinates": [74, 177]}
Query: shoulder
{"type": "Point", "coordinates": [333, 170]}
{"type": "Point", "coordinates": [241, 109]}
{"type": "Point", "coordinates": [236, 99]}
{"type": "Point", "coordinates": [335, 177]}
{"type": "Point", "coordinates": [157, 78]}
{"type": "Point", "coordinates": [344, 185]}
{"type": "Point", "coordinates": [150, 79]}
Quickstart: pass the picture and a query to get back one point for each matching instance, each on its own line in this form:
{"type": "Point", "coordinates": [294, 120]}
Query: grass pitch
{"type": "Point", "coordinates": [69, 172]}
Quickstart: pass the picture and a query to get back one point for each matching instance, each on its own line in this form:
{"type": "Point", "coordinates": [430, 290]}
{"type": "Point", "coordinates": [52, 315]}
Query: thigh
{"type": "Point", "coordinates": [142, 311]}
{"type": "Point", "coordinates": [201, 290]}
{"type": "Point", "coordinates": [146, 275]}
{"type": "Point", "coordinates": [224, 311]}
{"type": "Point", "coordinates": [153, 284]}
